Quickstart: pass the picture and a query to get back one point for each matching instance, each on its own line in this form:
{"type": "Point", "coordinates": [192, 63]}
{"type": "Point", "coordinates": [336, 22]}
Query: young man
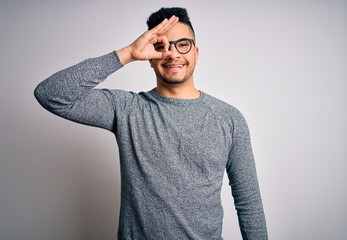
{"type": "Point", "coordinates": [175, 142]}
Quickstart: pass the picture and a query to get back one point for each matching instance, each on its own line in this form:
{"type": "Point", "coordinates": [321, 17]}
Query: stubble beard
{"type": "Point", "coordinates": [174, 82]}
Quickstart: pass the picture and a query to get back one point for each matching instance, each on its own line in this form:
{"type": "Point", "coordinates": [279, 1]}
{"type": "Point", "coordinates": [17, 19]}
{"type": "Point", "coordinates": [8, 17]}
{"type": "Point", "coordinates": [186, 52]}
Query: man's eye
{"type": "Point", "coordinates": [184, 43]}
{"type": "Point", "coordinates": [159, 47]}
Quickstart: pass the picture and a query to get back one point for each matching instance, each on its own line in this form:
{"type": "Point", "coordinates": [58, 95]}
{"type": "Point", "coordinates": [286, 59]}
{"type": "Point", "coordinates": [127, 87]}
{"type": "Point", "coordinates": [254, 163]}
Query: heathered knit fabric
{"type": "Point", "coordinates": [173, 154]}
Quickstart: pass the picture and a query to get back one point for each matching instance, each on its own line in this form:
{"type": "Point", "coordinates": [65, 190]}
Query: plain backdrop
{"type": "Point", "coordinates": [282, 63]}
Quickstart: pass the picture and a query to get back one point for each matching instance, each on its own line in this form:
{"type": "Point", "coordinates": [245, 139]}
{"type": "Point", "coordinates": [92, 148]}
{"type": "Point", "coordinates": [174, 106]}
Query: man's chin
{"type": "Point", "coordinates": [172, 82]}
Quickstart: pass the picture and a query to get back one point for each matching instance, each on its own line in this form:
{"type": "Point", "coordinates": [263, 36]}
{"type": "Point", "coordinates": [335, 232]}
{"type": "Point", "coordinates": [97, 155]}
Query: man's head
{"type": "Point", "coordinates": [159, 16]}
{"type": "Point", "coordinates": [179, 66]}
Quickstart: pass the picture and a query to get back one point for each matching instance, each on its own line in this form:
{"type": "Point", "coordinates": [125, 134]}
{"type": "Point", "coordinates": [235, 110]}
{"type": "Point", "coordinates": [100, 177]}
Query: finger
{"type": "Point", "coordinates": [169, 24]}
{"type": "Point", "coordinates": [165, 41]}
{"type": "Point", "coordinates": [159, 27]}
{"type": "Point", "coordinates": [161, 55]}
{"type": "Point", "coordinates": [165, 25]}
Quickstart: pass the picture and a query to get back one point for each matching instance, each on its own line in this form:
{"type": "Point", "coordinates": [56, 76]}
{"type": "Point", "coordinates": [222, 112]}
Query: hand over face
{"type": "Point", "coordinates": [143, 49]}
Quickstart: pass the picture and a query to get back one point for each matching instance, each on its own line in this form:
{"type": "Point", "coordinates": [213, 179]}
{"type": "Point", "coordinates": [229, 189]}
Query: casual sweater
{"type": "Point", "coordinates": [173, 154]}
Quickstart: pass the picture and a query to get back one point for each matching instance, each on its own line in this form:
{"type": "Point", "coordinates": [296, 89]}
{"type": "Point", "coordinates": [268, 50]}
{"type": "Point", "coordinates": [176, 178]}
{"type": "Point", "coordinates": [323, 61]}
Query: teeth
{"type": "Point", "coordinates": [175, 66]}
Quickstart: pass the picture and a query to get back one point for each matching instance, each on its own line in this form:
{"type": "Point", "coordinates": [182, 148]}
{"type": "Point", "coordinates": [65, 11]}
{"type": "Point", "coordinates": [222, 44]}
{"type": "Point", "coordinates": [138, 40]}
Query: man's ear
{"type": "Point", "coordinates": [197, 51]}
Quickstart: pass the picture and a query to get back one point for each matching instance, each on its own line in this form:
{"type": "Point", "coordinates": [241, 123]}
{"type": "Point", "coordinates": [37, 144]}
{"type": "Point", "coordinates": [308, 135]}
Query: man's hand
{"type": "Point", "coordinates": [143, 49]}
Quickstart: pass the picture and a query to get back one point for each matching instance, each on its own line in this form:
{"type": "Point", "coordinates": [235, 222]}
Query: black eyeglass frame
{"type": "Point", "coordinates": [192, 42]}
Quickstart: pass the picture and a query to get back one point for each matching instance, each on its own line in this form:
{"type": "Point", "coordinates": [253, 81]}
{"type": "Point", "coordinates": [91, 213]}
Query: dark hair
{"type": "Point", "coordinates": [159, 16]}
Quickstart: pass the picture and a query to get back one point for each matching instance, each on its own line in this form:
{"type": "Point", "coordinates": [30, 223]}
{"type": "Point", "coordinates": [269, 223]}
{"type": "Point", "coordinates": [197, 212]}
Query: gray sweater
{"type": "Point", "coordinates": [173, 154]}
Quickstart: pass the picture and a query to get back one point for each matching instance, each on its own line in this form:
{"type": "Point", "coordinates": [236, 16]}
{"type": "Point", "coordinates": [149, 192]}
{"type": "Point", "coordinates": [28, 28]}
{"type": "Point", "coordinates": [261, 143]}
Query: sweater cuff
{"type": "Point", "coordinates": [110, 62]}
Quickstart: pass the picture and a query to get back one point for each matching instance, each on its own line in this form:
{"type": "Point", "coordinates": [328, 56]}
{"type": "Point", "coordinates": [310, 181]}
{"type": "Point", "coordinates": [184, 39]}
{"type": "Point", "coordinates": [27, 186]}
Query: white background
{"type": "Point", "coordinates": [282, 63]}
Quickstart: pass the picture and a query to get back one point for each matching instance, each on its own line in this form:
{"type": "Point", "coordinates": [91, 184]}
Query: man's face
{"type": "Point", "coordinates": [177, 68]}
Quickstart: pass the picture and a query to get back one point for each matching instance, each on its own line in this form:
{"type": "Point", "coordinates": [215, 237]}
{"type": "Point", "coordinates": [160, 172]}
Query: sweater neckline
{"type": "Point", "coordinates": [178, 101]}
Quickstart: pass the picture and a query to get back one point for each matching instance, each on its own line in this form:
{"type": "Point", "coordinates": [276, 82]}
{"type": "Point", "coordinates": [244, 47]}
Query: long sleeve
{"type": "Point", "coordinates": [70, 93]}
{"type": "Point", "coordinates": [244, 183]}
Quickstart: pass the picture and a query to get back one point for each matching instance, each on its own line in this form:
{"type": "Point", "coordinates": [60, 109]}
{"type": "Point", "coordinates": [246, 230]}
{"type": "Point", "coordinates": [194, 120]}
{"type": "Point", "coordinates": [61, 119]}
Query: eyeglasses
{"type": "Point", "coordinates": [183, 45]}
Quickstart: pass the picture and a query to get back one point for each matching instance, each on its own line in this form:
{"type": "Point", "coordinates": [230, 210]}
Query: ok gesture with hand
{"type": "Point", "coordinates": [143, 49]}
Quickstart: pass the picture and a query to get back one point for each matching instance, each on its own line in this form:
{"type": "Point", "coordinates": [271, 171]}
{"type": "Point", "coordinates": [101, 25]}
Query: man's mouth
{"type": "Point", "coordinates": [174, 66]}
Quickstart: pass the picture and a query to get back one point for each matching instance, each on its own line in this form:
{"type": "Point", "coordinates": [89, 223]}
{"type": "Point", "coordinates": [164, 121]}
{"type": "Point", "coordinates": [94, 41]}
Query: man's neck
{"type": "Point", "coordinates": [178, 91]}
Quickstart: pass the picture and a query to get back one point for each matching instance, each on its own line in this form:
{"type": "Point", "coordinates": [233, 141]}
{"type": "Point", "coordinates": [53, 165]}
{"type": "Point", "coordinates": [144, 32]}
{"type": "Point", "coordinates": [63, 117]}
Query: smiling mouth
{"type": "Point", "coordinates": [174, 66]}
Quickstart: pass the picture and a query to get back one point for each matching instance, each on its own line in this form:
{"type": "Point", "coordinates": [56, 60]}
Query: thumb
{"type": "Point", "coordinates": [162, 55]}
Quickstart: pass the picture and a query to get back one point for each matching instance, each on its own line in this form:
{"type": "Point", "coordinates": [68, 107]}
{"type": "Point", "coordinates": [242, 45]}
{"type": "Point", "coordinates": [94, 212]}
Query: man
{"type": "Point", "coordinates": [175, 141]}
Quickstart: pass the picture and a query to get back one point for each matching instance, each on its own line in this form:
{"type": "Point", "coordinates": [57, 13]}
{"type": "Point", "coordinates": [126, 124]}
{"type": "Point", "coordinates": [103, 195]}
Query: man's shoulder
{"type": "Point", "coordinates": [226, 112]}
{"type": "Point", "coordinates": [218, 105]}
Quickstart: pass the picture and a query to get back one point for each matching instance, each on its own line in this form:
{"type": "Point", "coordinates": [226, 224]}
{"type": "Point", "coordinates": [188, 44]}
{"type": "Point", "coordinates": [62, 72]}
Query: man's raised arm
{"type": "Point", "coordinates": [71, 93]}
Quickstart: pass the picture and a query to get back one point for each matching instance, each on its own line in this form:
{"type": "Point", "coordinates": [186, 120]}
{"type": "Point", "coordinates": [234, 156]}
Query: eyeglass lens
{"type": "Point", "coordinates": [182, 45]}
